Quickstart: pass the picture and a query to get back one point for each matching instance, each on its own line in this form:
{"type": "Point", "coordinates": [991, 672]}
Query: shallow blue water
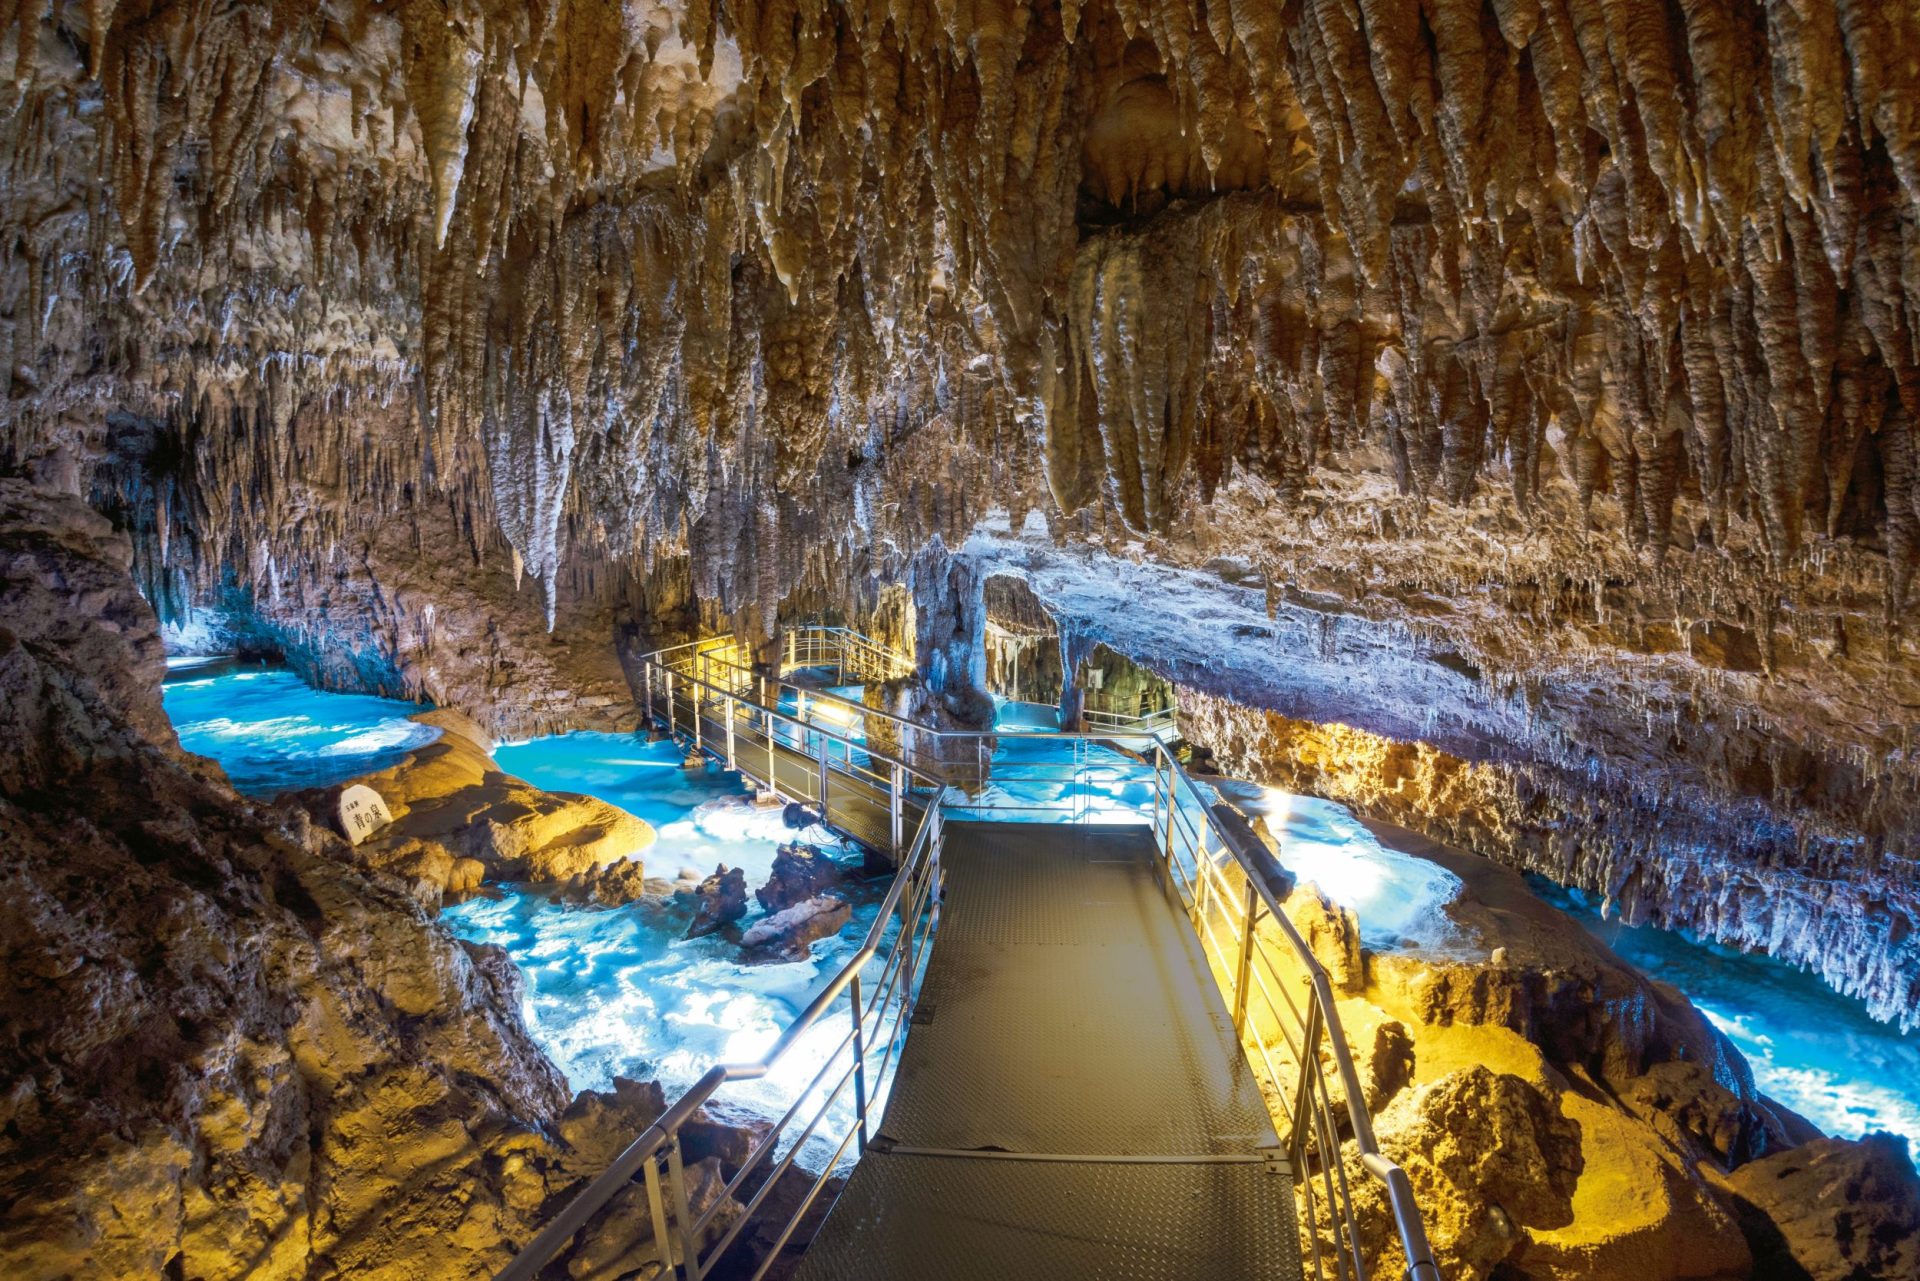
{"type": "Point", "coordinates": [272, 733]}
{"type": "Point", "coordinates": [617, 992]}
{"type": "Point", "coordinates": [1399, 898]}
{"type": "Point", "coordinates": [610, 991]}
{"type": "Point", "coordinates": [1816, 1051]}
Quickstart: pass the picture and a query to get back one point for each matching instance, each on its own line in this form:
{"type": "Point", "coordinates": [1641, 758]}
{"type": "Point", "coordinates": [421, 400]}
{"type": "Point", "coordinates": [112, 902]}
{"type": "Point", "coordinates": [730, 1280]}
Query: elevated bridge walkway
{"type": "Point", "coordinates": [1068, 1047]}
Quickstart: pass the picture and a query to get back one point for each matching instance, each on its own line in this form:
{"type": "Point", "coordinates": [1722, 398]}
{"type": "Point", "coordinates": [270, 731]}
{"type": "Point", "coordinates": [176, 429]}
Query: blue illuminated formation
{"type": "Point", "coordinates": [272, 733]}
{"type": "Point", "coordinates": [1816, 1051]}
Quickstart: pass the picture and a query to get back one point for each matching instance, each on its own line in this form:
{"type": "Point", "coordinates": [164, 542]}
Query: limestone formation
{"type": "Point", "coordinates": [458, 818]}
{"type": "Point", "coordinates": [230, 1053]}
{"type": "Point", "coordinates": [800, 872]}
{"type": "Point", "coordinates": [789, 934]}
{"type": "Point", "coordinates": [1829, 1210]}
{"type": "Point", "coordinates": [1561, 1116]}
{"type": "Point", "coordinates": [719, 902]}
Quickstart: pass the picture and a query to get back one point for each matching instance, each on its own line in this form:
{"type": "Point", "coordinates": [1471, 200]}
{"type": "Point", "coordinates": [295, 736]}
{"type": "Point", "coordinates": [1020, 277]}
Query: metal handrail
{"type": "Point", "coordinates": [1190, 833]}
{"type": "Point", "coordinates": [1146, 725]}
{"type": "Point", "coordinates": [662, 1136]}
{"type": "Point", "coordinates": [845, 649]}
{"type": "Point", "coordinates": [1243, 972]}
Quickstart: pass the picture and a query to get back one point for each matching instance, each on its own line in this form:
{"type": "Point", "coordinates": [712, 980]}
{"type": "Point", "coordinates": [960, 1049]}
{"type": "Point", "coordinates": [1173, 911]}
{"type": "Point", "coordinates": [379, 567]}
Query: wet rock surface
{"type": "Point", "coordinates": [719, 902]}
{"type": "Point", "coordinates": [800, 872]}
{"type": "Point", "coordinates": [789, 934]}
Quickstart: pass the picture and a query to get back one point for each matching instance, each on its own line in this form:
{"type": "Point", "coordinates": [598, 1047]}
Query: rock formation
{"type": "Point", "coordinates": [1562, 1117]}
{"type": "Point", "coordinates": [1829, 1209]}
{"type": "Point", "coordinates": [230, 1053]}
{"type": "Point", "coordinates": [790, 933]}
{"type": "Point", "coordinates": [719, 902]}
{"type": "Point", "coordinates": [457, 817]}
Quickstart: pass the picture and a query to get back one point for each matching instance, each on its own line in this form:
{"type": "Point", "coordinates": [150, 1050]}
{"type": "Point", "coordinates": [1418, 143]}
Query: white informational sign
{"type": "Point", "coordinates": [362, 813]}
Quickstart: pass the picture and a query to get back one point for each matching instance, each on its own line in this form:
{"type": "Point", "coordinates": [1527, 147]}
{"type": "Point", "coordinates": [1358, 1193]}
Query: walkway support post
{"type": "Point", "coordinates": [729, 711]}
{"type": "Point", "coordinates": [825, 744]}
{"type": "Point", "coordinates": [646, 694]}
{"type": "Point", "coordinates": [672, 730]}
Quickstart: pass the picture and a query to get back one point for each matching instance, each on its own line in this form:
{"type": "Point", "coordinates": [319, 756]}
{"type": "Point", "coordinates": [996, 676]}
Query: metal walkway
{"type": "Point", "coordinates": [1010, 1146]}
{"type": "Point", "coordinates": [1057, 1089]}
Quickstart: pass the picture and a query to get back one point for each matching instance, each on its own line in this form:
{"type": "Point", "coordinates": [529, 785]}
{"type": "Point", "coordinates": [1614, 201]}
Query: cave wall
{"type": "Point", "coordinates": [228, 1052]}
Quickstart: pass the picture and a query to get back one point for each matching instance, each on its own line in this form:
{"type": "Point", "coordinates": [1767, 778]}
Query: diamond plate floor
{"type": "Point", "coordinates": [1067, 1013]}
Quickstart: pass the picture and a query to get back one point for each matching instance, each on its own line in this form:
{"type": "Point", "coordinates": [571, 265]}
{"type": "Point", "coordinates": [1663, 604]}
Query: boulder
{"type": "Point", "coordinates": [599, 1124]}
{"type": "Point", "coordinates": [1490, 1157]}
{"type": "Point", "coordinates": [800, 872]}
{"type": "Point", "coordinates": [453, 808]}
{"type": "Point", "coordinates": [722, 900]}
{"type": "Point", "coordinates": [1832, 1210]}
{"type": "Point", "coordinates": [1385, 1063]}
{"type": "Point", "coordinates": [1332, 934]}
{"type": "Point", "coordinates": [788, 935]}
{"type": "Point", "coordinates": [618, 1243]}
{"type": "Point", "coordinates": [614, 885]}
{"type": "Point", "coordinates": [1642, 1209]}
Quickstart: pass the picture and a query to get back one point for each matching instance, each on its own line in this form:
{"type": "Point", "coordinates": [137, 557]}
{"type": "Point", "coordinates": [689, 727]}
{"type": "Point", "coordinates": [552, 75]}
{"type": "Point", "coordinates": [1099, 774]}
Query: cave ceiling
{"type": "Point", "coordinates": [1571, 328]}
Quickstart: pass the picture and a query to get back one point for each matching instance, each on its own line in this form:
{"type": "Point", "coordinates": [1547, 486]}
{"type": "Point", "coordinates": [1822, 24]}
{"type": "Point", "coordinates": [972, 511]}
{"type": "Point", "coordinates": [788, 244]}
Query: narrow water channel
{"type": "Point", "coordinates": [617, 992]}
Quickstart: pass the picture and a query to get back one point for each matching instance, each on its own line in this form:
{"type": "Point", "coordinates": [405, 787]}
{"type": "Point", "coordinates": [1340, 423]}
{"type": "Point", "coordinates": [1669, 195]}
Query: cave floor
{"type": "Point", "coordinates": [1072, 1100]}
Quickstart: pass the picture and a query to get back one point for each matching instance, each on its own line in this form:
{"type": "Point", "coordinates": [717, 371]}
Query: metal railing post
{"type": "Point", "coordinates": [825, 744]}
{"type": "Point", "coordinates": [646, 695]}
{"type": "Point", "coordinates": [897, 807]}
{"type": "Point", "coordinates": [729, 711]}
{"type": "Point", "coordinates": [657, 1206]}
{"type": "Point", "coordinates": [1303, 1095]}
{"type": "Point", "coordinates": [859, 1067]}
{"type": "Point", "coordinates": [672, 730]}
{"type": "Point", "coordinates": [1246, 962]}
{"type": "Point", "coordinates": [683, 1211]}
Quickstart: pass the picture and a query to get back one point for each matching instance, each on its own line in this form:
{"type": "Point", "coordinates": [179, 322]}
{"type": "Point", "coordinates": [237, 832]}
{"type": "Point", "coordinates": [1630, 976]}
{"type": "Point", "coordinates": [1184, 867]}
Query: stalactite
{"type": "Point", "coordinates": [729, 303]}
